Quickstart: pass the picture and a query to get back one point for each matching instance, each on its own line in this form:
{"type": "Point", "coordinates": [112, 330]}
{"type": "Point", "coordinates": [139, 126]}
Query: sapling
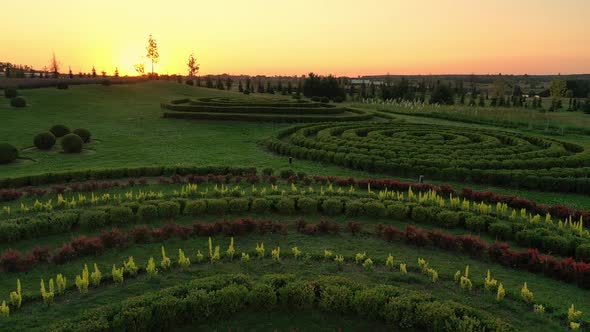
{"type": "Point", "coordinates": [183, 261]}
{"type": "Point", "coordinates": [296, 252]}
{"type": "Point", "coordinates": [245, 257]}
{"type": "Point", "coordinates": [96, 276]}
{"type": "Point", "coordinates": [47, 295]}
{"type": "Point", "coordinates": [16, 297]}
{"type": "Point", "coordinates": [61, 282]}
{"type": "Point", "coordinates": [403, 268]}
{"type": "Point", "coordinates": [328, 254]}
{"type": "Point", "coordinates": [200, 256]}
{"type": "Point", "coordinates": [276, 254]}
{"type": "Point", "coordinates": [260, 250]}
{"type": "Point", "coordinates": [368, 264]}
{"type": "Point", "coordinates": [359, 258]}
{"type": "Point", "coordinates": [500, 293]}
{"type": "Point", "coordinates": [130, 266]}
{"type": "Point", "coordinates": [389, 262]}
{"type": "Point", "coordinates": [165, 263]}
{"type": "Point", "coordinates": [231, 250]}
{"type": "Point", "coordinates": [526, 294]}
{"type": "Point", "coordinates": [83, 280]}
{"type": "Point", "coordinates": [151, 268]}
{"type": "Point", "coordinates": [4, 309]}
{"type": "Point", "coordinates": [117, 274]}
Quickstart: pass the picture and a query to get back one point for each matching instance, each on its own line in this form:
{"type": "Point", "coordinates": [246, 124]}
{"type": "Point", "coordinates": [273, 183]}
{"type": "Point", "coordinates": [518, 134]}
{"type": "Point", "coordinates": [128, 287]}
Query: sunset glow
{"type": "Point", "coordinates": [327, 36]}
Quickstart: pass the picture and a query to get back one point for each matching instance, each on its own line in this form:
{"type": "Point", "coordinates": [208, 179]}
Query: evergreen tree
{"type": "Point", "coordinates": [70, 74]}
{"type": "Point", "coordinates": [93, 71]}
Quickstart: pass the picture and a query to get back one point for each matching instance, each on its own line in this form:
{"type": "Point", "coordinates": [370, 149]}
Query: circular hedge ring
{"type": "Point", "coordinates": [72, 143]}
{"type": "Point", "coordinates": [83, 133]}
{"type": "Point", "coordinates": [8, 153]}
{"type": "Point", "coordinates": [45, 140]}
{"type": "Point", "coordinates": [443, 152]}
{"type": "Point", "coordinates": [59, 130]}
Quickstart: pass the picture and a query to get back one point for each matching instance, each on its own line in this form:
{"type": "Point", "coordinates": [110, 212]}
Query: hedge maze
{"type": "Point", "coordinates": [260, 110]}
{"type": "Point", "coordinates": [442, 152]}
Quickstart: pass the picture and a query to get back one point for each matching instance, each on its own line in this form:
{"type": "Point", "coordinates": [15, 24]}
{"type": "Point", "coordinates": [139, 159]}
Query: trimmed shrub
{"type": "Point", "coordinates": [501, 230]}
{"type": "Point", "coordinates": [332, 206]}
{"type": "Point", "coordinates": [72, 143]}
{"type": "Point", "coordinates": [8, 153]}
{"type": "Point", "coordinates": [557, 243]}
{"type": "Point", "coordinates": [147, 212]}
{"type": "Point", "coordinates": [375, 209]}
{"type": "Point", "coordinates": [267, 171]}
{"type": "Point", "coordinates": [448, 219]}
{"type": "Point", "coordinates": [168, 210]}
{"type": "Point", "coordinates": [307, 205]}
{"type": "Point", "coordinates": [476, 223]}
{"type": "Point", "coordinates": [260, 205]}
{"type": "Point", "coordinates": [10, 93]}
{"type": "Point", "coordinates": [421, 214]}
{"type": "Point", "coordinates": [397, 211]}
{"type": "Point", "coordinates": [18, 102]}
{"type": "Point", "coordinates": [336, 298]}
{"type": "Point", "coordinates": [354, 208]}
{"type": "Point", "coordinates": [120, 215]}
{"type": "Point", "coordinates": [286, 173]}
{"type": "Point", "coordinates": [59, 130]}
{"type": "Point", "coordinates": [285, 205]}
{"type": "Point", "coordinates": [44, 141]}
{"type": "Point", "coordinates": [217, 206]}
{"type": "Point", "coordinates": [93, 218]}
{"type": "Point", "coordinates": [62, 86]}
{"type": "Point", "coordinates": [237, 205]}
{"type": "Point", "coordinates": [83, 133]}
{"type": "Point", "coordinates": [299, 294]}
{"type": "Point", "coordinates": [583, 252]}
{"type": "Point", "coordinates": [195, 208]}
{"type": "Point", "coordinates": [263, 296]}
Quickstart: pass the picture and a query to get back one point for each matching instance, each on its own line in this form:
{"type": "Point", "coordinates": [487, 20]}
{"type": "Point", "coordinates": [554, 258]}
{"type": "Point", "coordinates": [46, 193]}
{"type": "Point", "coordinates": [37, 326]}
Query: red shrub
{"type": "Point", "coordinates": [64, 254]}
{"type": "Point", "coordinates": [11, 260]}
{"type": "Point", "coordinates": [140, 234]}
{"type": "Point", "coordinates": [328, 226]}
{"type": "Point", "coordinates": [87, 245]}
{"type": "Point", "coordinates": [40, 254]}
{"type": "Point", "coordinates": [442, 240]}
{"type": "Point", "coordinates": [203, 229]}
{"type": "Point", "coordinates": [471, 244]}
{"type": "Point", "coordinates": [390, 233]}
{"type": "Point", "coordinates": [354, 227]}
{"type": "Point", "coordinates": [58, 189]}
{"type": "Point", "coordinates": [300, 224]}
{"type": "Point", "coordinates": [9, 195]}
{"type": "Point", "coordinates": [416, 236]}
{"type": "Point", "coordinates": [114, 238]}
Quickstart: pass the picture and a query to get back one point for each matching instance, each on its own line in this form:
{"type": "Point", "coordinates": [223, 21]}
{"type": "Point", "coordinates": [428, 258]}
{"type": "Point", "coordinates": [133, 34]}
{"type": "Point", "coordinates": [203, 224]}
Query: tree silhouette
{"type": "Point", "coordinates": [93, 71]}
{"type": "Point", "coordinates": [152, 52]}
{"type": "Point", "coordinates": [116, 72]}
{"type": "Point", "coordinates": [139, 68]}
{"type": "Point", "coordinates": [54, 66]}
{"type": "Point", "coordinates": [193, 66]}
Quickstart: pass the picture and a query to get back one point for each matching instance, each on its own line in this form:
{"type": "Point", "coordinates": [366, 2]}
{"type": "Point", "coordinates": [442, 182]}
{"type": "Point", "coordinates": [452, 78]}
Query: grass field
{"type": "Point", "coordinates": [128, 131]}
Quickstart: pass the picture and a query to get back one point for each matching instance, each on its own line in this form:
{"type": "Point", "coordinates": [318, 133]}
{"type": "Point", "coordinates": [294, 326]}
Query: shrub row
{"type": "Point", "coordinates": [222, 296]}
{"type": "Point", "coordinates": [566, 269]}
{"type": "Point", "coordinates": [114, 173]}
{"type": "Point", "coordinates": [350, 115]}
{"type": "Point", "coordinates": [13, 260]}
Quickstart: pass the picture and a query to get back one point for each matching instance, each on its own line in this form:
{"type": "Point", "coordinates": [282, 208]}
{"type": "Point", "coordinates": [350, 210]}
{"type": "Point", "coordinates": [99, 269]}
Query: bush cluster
{"type": "Point", "coordinates": [45, 140]}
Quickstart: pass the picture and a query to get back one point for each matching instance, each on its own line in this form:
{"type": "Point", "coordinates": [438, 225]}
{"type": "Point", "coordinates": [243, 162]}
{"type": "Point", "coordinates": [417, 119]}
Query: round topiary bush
{"type": "Point", "coordinates": [18, 102]}
{"type": "Point", "coordinates": [45, 140]}
{"type": "Point", "coordinates": [72, 143]}
{"type": "Point", "coordinates": [10, 93]}
{"type": "Point", "coordinates": [83, 133]}
{"type": "Point", "coordinates": [59, 130]}
{"type": "Point", "coordinates": [8, 153]}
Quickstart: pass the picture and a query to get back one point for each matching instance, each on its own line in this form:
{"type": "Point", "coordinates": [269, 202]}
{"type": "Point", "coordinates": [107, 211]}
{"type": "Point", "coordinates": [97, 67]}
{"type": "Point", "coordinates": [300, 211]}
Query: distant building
{"type": "Point", "coordinates": [356, 81]}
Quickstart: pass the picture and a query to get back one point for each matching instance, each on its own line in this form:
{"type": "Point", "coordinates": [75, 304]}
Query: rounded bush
{"type": "Point", "coordinates": [583, 252]}
{"type": "Point", "coordinates": [286, 173]}
{"type": "Point", "coordinates": [501, 230]}
{"type": "Point", "coordinates": [307, 205]}
{"type": "Point", "coordinates": [147, 212]}
{"type": "Point", "coordinates": [260, 205]}
{"type": "Point", "coordinates": [397, 211]}
{"type": "Point", "coordinates": [93, 218]}
{"type": "Point", "coordinates": [44, 141]}
{"type": "Point", "coordinates": [285, 205]}
{"type": "Point", "coordinates": [476, 223]}
{"type": "Point", "coordinates": [120, 215]}
{"type": "Point", "coordinates": [420, 214]}
{"type": "Point", "coordinates": [332, 206]}
{"type": "Point", "coordinates": [354, 208]}
{"type": "Point", "coordinates": [375, 209]}
{"type": "Point", "coordinates": [72, 143]}
{"type": "Point", "coordinates": [448, 219]}
{"type": "Point", "coordinates": [338, 99]}
{"type": "Point", "coordinates": [62, 86]}
{"type": "Point", "coordinates": [10, 93]}
{"type": "Point", "coordinates": [217, 206]}
{"type": "Point", "coordinates": [168, 210]}
{"type": "Point", "coordinates": [237, 205]}
{"type": "Point", "coordinates": [8, 153]}
{"type": "Point", "coordinates": [59, 130]}
{"type": "Point", "coordinates": [83, 133]}
{"type": "Point", "coordinates": [195, 208]}
{"type": "Point", "coordinates": [325, 100]}
{"type": "Point", "coordinates": [18, 102]}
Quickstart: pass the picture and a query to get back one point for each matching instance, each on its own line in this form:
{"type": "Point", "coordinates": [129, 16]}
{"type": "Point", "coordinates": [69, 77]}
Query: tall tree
{"type": "Point", "coordinates": [193, 66]}
{"type": "Point", "coordinates": [557, 89]}
{"type": "Point", "coordinates": [93, 71]}
{"type": "Point", "coordinates": [152, 52]}
{"type": "Point", "coordinates": [54, 66]}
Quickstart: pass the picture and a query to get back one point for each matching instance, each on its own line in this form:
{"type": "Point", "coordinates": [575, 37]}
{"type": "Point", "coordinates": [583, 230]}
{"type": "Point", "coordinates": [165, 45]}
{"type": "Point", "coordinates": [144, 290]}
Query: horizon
{"type": "Point", "coordinates": [288, 39]}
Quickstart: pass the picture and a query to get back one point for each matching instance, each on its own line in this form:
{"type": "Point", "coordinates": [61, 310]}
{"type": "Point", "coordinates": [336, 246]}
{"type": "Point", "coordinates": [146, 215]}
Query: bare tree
{"type": "Point", "coordinates": [193, 66]}
{"type": "Point", "coordinates": [152, 52]}
{"type": "Point", "coordinates": [54, 66]}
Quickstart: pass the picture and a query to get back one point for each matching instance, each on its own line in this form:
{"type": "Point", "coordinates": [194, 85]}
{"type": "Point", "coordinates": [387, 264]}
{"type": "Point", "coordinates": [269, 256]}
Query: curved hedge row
{"type": "Point", "coordinates": [116, 173]}
{"type": "Point", "coordinates": [443, 152]}
{"type": "Point", "coordinates": [221, 296]}
{"type": "Point", "coordinates": [269, 111]}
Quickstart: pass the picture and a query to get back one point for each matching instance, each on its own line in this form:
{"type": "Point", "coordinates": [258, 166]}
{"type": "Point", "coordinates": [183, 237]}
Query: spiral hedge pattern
{"type": "Point", "coordinates": [260, 110]}
{"type": "Point", "coordinates": [443, 152]}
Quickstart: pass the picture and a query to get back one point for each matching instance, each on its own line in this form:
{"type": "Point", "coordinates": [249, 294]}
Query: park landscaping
{"type": "Point", "coordinates": [187, 211]}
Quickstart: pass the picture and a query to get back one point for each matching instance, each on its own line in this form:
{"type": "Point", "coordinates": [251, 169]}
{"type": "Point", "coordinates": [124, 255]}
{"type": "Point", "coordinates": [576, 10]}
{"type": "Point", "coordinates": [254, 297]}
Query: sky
{"type": "Point", "coordinates": [267, 37]}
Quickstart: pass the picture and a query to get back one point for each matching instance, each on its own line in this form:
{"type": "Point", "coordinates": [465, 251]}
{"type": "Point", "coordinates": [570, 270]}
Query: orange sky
{"type": "Point", "coordinates": [342, 37]}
